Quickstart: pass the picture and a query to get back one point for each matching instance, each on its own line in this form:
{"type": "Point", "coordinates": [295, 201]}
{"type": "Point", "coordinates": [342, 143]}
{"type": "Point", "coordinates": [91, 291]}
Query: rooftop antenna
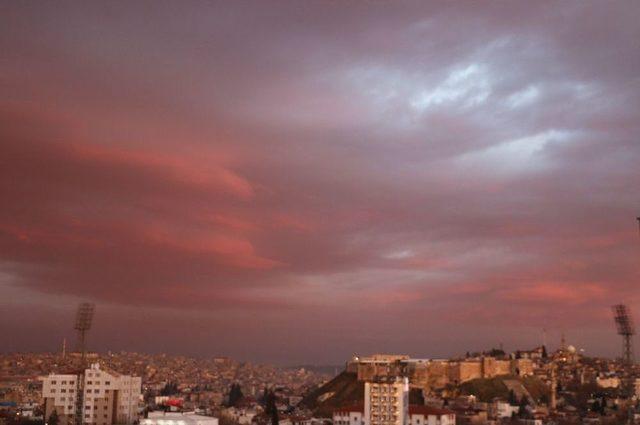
{"type": "Point", "coordinates": [84, 317]}
{"type": "Point", "coordinates": [624, 325]}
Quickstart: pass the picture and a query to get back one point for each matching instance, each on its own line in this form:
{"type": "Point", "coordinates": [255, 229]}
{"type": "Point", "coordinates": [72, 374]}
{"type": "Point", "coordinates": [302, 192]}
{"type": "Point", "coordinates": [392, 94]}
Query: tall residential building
{"type": "Point", "coordinates": [101, 397]}
{"type": "Point", "coordinates": [386, 400]}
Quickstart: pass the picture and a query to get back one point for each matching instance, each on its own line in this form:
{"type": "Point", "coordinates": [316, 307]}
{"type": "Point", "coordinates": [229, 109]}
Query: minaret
{"type": "Point", "coordinates": [64, 348]}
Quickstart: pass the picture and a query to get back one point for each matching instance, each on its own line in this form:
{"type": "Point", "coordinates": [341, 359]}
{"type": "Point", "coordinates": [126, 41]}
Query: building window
{"type": "Point", "coordinates": [53, 382]}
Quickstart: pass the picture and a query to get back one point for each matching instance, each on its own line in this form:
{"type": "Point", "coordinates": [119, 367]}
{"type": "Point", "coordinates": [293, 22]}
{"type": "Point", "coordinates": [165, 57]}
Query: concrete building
{"type": "Point", "coordinates": [371, 367]}
{"type": "Point", "coordinates": [427, 415]}
{"type": "Point", "coordinates": [418, 415]}
{"type": "Point", "coordinates": [608, 381]}
{"type": "Point", "coordinates": [177, 418]}
{"type": "Point", "coordinates": [351, 415]}
{"type": "Point", "coordinates": [242, 415]}
{"type": "Point", "coordinates": [386, 401]}
{"type": "Point", "coordinates": [503, 409]}
{"type": "Point", "coordinates": [428, 374]}
{"type": "Point", "coordinates": [101, 397]}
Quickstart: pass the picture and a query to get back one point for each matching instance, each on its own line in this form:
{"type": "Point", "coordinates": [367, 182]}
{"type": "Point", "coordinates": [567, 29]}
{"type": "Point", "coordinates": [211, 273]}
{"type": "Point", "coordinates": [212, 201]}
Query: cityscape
{"type": "Point", "coordinates": [319, 212]}
{"type": "Point", "coordinates": [536, 386]}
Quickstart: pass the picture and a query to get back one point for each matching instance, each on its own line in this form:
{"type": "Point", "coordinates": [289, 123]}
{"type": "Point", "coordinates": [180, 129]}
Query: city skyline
{"type": "Point", "coordinates": [296, 182]}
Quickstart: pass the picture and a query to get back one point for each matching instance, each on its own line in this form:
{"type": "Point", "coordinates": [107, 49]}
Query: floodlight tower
{"type": "Point", "coordinates": [84, 317]}
{"type": "Point", "coordinates": [625, 328]}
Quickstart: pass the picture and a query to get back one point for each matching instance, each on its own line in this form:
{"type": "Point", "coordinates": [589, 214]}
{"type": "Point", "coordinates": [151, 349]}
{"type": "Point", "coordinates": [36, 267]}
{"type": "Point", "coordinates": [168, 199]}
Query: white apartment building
{"type": "Point", "coordinates": [504, 409]}
{"type": "Point", "coordinates": [386, 401]}
{"type": "Point", "coordinates": [107, 397]}
{"type": "Point", "coordinates": [177, 418]}
{"type": "Point", "coordinates": [352, 415]}
{"type": "Point", "coordinates": [427, 415]}
{"type": "Point", "coordinates": [418, 415]}
{"type": "Point", "coordinates": [241, 415]}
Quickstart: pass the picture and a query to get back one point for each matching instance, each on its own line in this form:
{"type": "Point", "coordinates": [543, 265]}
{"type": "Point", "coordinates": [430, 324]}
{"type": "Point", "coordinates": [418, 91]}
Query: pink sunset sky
{"type": "Point", "coordinates": [299, 181]}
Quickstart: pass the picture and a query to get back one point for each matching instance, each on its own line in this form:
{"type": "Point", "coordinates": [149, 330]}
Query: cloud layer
{"type": "Point", "coordinates": [301, 181]}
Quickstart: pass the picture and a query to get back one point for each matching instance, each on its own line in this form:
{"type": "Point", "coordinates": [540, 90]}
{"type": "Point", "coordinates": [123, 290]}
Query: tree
{"type": "Point", "coordinates": [270, 407]}
{"type": "Point", "coordinates": [235, 395]}
{"type": "Point", "coordinates": [170, 388]}
{"type": "Point", "coordinates": [262, 399]}
{"type": "Point", "coordinates": [513, 400]}
{"type": "Point", "coordinates": [53, 418]}
{"type": "Point", "coordinates": [523, 410]}
{"type": "Point", "coordinates": [275, 419]}
{"type": "Point", "coordinates": [270, 403]}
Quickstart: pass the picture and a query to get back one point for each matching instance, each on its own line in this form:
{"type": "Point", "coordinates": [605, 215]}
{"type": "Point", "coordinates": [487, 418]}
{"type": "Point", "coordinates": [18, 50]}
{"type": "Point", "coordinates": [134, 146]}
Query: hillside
{"type": "Point", "coordinates": [488, 388]}
{"type": "Point", "coordinates": [343, 390]}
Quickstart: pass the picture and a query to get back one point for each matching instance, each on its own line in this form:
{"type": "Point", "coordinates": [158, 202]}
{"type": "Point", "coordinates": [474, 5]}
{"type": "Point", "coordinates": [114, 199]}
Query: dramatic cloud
{"type": "Point", "coordinates": [298, 181]}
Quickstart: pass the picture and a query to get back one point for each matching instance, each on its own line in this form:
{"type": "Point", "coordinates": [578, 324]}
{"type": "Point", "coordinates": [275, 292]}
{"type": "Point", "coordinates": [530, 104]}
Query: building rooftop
{"type": "Point", "coordinates": [415, 409]}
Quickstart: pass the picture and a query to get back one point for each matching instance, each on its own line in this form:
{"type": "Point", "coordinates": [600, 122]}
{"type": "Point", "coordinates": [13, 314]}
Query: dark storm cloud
{"type": "Point", "coordinates": [378, 164]}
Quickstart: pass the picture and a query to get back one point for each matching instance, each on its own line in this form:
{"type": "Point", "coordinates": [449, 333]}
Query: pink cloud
{"type": "Point", "coordinates": [166, 159]}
